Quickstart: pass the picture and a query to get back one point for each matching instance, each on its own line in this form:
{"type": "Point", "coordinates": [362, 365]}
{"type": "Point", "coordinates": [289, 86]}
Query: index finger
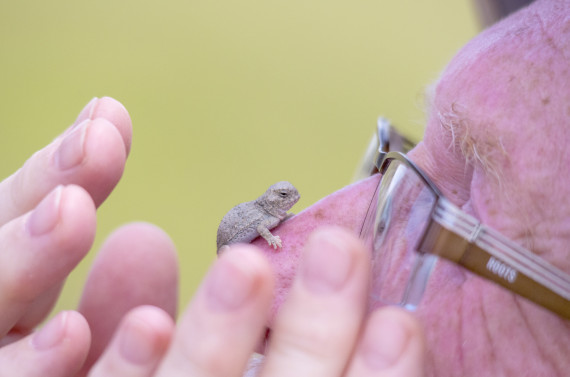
{"type": "Point", "coordinates": [91, 154]}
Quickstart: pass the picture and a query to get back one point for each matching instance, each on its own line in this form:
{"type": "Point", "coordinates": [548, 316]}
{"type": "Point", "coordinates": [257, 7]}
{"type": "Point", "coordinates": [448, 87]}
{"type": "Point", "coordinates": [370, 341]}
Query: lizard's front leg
{"type": "Point", "coordinates": [288, 216]}
{"type": "Point", "coordinates": [264, 232]}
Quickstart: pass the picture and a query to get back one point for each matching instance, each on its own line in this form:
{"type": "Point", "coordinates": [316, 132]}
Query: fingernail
{"type": "Point", "coordinates": [384, 342]}
{"type": "Point", "coordinates": [70, 152]}
{"type": "Point", "coordinates": [86, 113]}
{"type": "Point", "coordinates": [51, 334]}
{"type": "Point", "coordinates": [254, 365]}
{"type": "Point", "coordinates": [88, 110]}
{"type": "Point", "coordinates": [231, 282]}
{"type": "Point", "coordinates": [327, 262]}
{"type": "Point", "coordinates": [46, 215]}
{"type": "Point", "coordinates": [135, 342]}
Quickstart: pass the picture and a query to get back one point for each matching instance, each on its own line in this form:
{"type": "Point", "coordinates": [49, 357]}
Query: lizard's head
{"type": "Point", "coordinates": [282, 195]}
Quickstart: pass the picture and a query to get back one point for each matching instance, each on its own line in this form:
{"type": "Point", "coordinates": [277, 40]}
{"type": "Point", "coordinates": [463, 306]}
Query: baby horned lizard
{"type": "Point", "coordinates": [248, 220]}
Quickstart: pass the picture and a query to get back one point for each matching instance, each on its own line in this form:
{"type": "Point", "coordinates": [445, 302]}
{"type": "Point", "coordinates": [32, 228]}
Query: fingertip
{"type": "Point", "coordinates": [342, 237]}
{"type": "Point", "coordinates": [140, 342]}
{"type": "Point", "coordinates": [333, 260]}
{"type": "Point", "coordinates": [87, 111]}
{"type": "Point", "coordinates": [59, 329]}
{"type": "Point", "coordinates": [61, 346]}
{"type": "Point", "coordinates": [142, 243]}
{"type": "Point", "coordinates": [393, 343]}
{"type": "Point", "coordinates": [104, 159]}
{"type": "Point", "coordinates": [74, 196]}
{"type": "Point", "coordinates": [78, 333]}
{"type": "Point", "coordinates": [144, 335]}
{"type": "Point", "coordinates": [238, 276]}
{"type": "Point", "coordinates": [226, 317]}
{"type": "Point", "coordinates": [67, 219]}
{"type": "Point", "coordinates": [144, 233]}
{"type": "Point", "coordinates": [46, 215]}
{"type": "Point", "coordinates": [143, 249]}
{"type": "Point", "coordinates": [155, 317]}
{"type": "Point", "coordinates": [78, 217]}
{"type": "Point", "coordinates": [114, 111]}
{"type": "Point", "coordinates": [137, 265]}
{"type": "Point", "coordinates": [248, 255]}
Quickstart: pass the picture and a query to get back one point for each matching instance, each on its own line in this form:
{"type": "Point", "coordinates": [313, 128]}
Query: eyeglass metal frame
{"type": "Point", "coordinates": [386, 139]}
{"type": "Point", "coordinates": [460, 238]}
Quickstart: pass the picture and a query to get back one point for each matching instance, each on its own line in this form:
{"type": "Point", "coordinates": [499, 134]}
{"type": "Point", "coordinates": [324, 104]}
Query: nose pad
{"type": "Point", "coordinates": [346, 208]}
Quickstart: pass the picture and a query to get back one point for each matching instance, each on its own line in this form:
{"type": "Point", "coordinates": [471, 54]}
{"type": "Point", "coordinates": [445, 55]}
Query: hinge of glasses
{"type": "Point", "coordinates": [442, 242]}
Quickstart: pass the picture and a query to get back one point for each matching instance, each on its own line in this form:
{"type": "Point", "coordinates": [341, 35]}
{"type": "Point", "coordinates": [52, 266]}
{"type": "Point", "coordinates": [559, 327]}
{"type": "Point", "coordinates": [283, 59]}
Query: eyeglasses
{"type": "Point", "coordinates": [409, 224]}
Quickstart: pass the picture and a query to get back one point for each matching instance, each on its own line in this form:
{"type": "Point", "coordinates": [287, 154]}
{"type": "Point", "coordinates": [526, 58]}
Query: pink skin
{"type": "Point", "coordinates": [506, 98]}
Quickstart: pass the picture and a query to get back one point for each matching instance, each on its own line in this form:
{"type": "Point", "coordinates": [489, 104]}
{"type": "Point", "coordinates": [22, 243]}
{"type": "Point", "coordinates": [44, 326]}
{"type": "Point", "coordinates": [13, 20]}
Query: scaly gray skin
{"type": "Point", "coordinates": [248, 220]}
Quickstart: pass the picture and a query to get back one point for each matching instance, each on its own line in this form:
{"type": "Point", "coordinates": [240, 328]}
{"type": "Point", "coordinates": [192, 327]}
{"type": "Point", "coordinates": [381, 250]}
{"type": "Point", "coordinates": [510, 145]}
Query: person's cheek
{"type": "Point", "coordinates": [346, 208]}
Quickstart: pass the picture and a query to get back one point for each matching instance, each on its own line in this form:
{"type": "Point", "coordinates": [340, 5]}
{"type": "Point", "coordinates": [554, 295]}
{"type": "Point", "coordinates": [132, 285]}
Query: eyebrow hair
{"type": "Point", "coordinates": [483, 146]}
{"type": "Point", "coordinates": [486, 154]}
{"type": "Point", "coordinates": [476, 150]}
{"type": "Point", "coordinates": [455, 123]}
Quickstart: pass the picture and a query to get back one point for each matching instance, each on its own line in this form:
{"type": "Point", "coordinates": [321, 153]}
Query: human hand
{"type": "Point", "coordinates": [322, 329]}
{"type": "Point", "coordinates": [47, 225]}
{"type": "Point", "coordinates": [47, 215]}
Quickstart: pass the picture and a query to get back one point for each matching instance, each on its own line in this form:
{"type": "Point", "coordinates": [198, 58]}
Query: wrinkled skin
{"type": "Point", "coordinates": [496, 143]}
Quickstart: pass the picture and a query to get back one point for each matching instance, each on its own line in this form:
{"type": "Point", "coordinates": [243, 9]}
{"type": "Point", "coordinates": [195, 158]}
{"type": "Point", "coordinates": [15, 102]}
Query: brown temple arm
{"type": "Point", "coordinates": [440, 241]}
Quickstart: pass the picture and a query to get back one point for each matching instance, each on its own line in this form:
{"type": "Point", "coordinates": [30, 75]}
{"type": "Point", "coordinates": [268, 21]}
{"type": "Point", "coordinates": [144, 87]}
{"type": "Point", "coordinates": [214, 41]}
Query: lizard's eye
{"type": "Point", "coordinates": [283, 194]}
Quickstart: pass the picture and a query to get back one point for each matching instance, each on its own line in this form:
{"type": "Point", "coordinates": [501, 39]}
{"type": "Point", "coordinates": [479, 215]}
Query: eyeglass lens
{"type": "Point", "coordinates": [397, 217]}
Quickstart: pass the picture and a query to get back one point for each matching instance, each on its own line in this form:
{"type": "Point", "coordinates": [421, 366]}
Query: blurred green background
{"type": "Point", "coordinates": [226, 97]}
